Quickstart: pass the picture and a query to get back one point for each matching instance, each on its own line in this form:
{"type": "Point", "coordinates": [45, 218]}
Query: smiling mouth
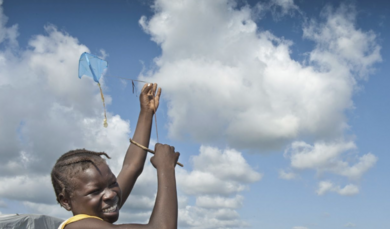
{"type": "Point", "coordinates": [112, 208]}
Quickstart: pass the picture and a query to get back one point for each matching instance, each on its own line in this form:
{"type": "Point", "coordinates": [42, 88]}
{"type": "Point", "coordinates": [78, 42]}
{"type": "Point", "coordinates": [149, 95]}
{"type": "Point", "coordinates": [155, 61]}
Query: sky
{"type": "Point", "coordinates": [279, 108]}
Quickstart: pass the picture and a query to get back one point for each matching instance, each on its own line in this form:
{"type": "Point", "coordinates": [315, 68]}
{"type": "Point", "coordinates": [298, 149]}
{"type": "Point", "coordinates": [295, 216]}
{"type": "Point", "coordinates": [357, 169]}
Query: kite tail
{"type": "Point", "coordinates": [104, 106]}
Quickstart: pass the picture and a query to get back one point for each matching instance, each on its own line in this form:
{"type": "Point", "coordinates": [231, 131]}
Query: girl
{"type": "Point", "coordinates": [85, 185]}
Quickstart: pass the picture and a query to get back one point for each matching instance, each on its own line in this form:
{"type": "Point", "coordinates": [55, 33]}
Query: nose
{"type": "Point", "coordinates": [109, 194]}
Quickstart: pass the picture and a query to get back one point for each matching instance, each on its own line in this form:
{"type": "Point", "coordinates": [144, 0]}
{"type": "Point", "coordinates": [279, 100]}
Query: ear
{"type": "Point", "coordinates": [65, 202]}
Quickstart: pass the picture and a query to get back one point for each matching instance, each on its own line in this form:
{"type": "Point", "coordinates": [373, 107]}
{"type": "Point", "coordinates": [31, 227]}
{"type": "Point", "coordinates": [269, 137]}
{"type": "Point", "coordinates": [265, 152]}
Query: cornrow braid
{"type": "Point", "coordinates": [69, 165]}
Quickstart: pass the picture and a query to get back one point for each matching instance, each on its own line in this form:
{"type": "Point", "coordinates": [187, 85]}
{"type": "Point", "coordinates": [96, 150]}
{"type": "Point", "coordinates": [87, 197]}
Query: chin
{"type": "Point", "coordinates": [112, 218]}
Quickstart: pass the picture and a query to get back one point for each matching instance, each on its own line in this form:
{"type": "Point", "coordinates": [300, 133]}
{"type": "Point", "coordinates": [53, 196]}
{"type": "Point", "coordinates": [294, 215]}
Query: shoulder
{"type": "Point", "coordinates": [89, 223]}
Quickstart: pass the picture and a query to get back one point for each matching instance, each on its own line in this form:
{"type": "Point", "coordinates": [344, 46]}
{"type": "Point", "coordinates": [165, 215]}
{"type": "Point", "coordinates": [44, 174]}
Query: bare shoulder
{"type": "Point", "coordinates": [92, 223]}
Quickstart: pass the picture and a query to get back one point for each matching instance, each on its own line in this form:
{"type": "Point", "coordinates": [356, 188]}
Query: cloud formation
{"type": "Point", "coordinates": [217, 178]}
{"type": "Point", "coordinates": [340, 46]}
{"type": "Point", "coordinates": [327, 186]}
{"type": "Point", "coordinates": [278, 8]}
{"type": "Point", "coordinates": [347, 54]}
{"type": "Point", "coordinates": [240, 84]}
{"type": "Point", "coordinates": [217, 172]}
{"type": "Point", "coordinates": [327, 157]}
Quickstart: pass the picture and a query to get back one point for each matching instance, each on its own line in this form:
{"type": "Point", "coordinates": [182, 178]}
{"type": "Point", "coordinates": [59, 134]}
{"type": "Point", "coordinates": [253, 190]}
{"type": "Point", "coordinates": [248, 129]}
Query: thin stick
{"type": "Point", "coordinates": [149, 150]}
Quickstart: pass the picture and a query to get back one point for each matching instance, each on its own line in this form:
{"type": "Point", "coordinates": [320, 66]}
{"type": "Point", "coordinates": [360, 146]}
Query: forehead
{"type": "Point", "coordinates": [93, 175]}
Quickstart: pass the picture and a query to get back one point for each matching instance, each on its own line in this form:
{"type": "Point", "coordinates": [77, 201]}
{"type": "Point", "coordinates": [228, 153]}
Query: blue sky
{"type": "Point", "coordinates": [279, 108]}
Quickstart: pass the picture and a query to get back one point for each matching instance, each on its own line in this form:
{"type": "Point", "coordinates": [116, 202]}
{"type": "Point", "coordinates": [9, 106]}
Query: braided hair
{"type": "Point", "coordinates": [69, 165]}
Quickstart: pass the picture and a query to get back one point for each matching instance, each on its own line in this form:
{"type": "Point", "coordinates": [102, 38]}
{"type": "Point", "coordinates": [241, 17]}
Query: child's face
{"type": "Point", "coordinates": [97, 193]}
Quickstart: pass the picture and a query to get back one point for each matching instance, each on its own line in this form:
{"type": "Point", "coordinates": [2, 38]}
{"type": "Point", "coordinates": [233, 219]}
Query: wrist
{"type": "Point", "coordinates": [146, 112]}
{"type": "Point", "coordinates": [165, 168]}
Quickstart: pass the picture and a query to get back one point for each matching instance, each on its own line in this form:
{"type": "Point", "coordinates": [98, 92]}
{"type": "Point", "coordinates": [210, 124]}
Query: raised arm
{"type": "Point", "coordinates": [134, 161]}
{"type": "Point", "coordinates": [164, 215]}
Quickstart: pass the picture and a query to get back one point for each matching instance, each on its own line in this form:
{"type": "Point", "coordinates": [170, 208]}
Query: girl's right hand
{"type": "Point", "coordinates": [164, 157]}
{"type": "Point", "coordinates": [149, 99]}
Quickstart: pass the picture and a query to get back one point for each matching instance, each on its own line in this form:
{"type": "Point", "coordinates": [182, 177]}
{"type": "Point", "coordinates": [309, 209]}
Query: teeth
{"type": "Point", "coordinates": [114, 207]}
{"type": "Point", "coordinates": [110, 209]}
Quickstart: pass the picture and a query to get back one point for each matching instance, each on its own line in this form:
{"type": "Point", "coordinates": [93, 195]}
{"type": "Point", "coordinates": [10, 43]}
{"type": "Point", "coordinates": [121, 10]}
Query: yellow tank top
{"type": "Point", "coordinates": [76, 218]}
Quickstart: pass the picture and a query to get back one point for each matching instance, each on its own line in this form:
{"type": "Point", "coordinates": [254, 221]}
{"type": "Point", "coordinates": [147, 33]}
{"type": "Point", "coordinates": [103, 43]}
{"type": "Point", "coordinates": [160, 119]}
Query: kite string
{"type": "Point", "coordinates": [127, 79]}
{"type": "Point", "coordinates": [155, 116]}
{"type": "Point", "coordinates": [104, 106]}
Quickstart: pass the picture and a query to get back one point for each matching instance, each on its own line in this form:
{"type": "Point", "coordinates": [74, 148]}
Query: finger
{"type": "Point", "coordinates": [154, 88]}
{"type": "Point", "coordinates": [156, 146]}
{"type": "Point", "coordinates": [158, 94]}
{"type": "Point", "coordinates": [157, 99]}
{"type": "Point", "coordinates": [144, 87]}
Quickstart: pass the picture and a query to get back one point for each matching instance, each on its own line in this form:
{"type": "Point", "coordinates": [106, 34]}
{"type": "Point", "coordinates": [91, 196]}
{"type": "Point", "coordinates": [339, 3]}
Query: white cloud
{"type": "Point", "coordinates": [340, 45]}
{"type": "Point", "coordinates": [39, 189]}
{"type": "Point", "coordinates": [215, 180]}
{"type": "Point", "coordinates": [278, 9]}
{"type": "Point", "coordinates": [240, 84]}
{"type": "Point", "coordinates": [349, 190]}
{"type": "Point", "coordinates": [327, 186]}
{"type": "Point", "coordinates": [305, 156]}
{"type": "Point", "coordinates": [203, 215]}
{"type": "Point", "coordinates": [287, 175]}
{"type": "Point", "coordinates": [219, 202]}
{"type": "Point", "coordinates": [53, 210]}
{"type": "Point", "coordinates": [331, 157]}
{"type": "Point", "coordinates": [195, 217]}
{"type": "Point", "coordinates": [135, 217]}
{"type": "Point", "coordinates": [356, 171]}
{"type": "Point", "coordinates": [323, 187]}
{"type": "Point", "coordinates": [327, 157]}
{"type": "Point", "coordinates": [7, 34]}
{"type": "Point", "coordinates": [217, 172]}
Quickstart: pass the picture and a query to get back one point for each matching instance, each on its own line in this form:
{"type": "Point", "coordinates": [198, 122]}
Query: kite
{"type": "Point", "coordinates": [92, 66]}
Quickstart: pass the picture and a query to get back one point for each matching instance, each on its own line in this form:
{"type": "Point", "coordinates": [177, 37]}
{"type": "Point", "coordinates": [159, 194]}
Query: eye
{"type": "Point", "coordinates": [94, 192]}
{"type": "Point", "coordinates": [114, 184]}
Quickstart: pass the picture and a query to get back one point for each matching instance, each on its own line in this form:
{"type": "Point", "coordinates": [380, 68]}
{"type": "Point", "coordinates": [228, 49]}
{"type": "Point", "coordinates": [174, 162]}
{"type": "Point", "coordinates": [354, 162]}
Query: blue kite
{"type": "Point", "coordinates": [94, 67]}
